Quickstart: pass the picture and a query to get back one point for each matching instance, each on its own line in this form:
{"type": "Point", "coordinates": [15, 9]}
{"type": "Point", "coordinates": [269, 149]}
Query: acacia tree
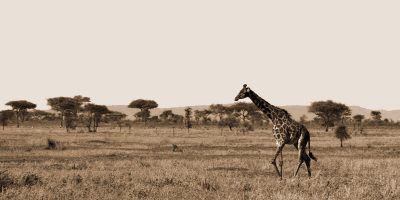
{"type": "Point", "coordinates": [329, 112]}
{"type": "Point", "coordinates": [145, 106]}
{"type": "Point", "coordinates": [342, 134]}
{"type": "Point", "coordinates": [143, 115]}
{"type": "Point", "coordinates": [303, 119]}
{"type": "Point", "coordinates": [166, 115]}
{"type": "Point", "coordinates": [197, 116]}
{"type": "Point", "coordinates": [376, 116]}
{"type": "Point", "coordinates": [169, 117]}
{"type": "Point", "coordinates": [95, 112]}
{"type": "Point", "coordinates": [225, 116]}
{"type": "Point", "coordinates": [358, 120]}
{"type": "Point", "coordinates": [188, 116]}
{"type": "Point", "coordinates": [258, 118]}
{"type": "Point", "coordinates": [40, 115]}
{"type": "Point", "coordinates": [68, 108]}
{"type": "Point", "coordinates": [243, 110]}
{"type": "Point", "coordinates": [20, 108]}
{"type": "Point", "coordinates": [6, 116]}
{"type": "Point", "coordinates": [230, 121]}
{"type": "Point", "coordinates": [115, 117]}
{"type": "Point", "coordinates": [128, 123]}
{"type": "Point", "coordinates": [219, 110]}
{"type": "Point", "coordinates": [202, 116]}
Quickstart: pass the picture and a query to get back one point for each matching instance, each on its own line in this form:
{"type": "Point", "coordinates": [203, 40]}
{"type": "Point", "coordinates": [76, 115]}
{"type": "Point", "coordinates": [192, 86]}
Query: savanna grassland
{"type": "Point", "coordinates": [142, 165]}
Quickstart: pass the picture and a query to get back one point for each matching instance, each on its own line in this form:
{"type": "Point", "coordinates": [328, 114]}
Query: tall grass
{"type": "Point", "coordinates": [143, 165]}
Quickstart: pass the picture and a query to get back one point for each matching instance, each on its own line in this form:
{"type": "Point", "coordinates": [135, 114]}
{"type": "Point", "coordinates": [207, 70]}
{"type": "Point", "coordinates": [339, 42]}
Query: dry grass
{"type": "Point", "coordinates": [142, 165]}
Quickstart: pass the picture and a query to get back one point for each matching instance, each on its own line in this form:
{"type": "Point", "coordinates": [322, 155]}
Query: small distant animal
{"type": "Point", "coordinates": [175, 148]}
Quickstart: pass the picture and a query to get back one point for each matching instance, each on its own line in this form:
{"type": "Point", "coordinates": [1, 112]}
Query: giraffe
{"type": "Point", "coordinates": [285, 130]}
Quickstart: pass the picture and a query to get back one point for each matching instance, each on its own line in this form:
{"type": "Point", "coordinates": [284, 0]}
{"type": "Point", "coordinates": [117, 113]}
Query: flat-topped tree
{"type": "Point", "coordinates": [202, 116]}
{"type": "Point", "coordinates": [243, 110]}
{"type": "Point", "coordinates": [20, 108]}
{"type": "Point", "coordinates": [166, 115]}
{"type": "Point", "coordinates": [95, 112]}
{"type": "Point", "coordinates": [115, 117]}
{"type": "Point", "coordinates": [329, 112]}
{"type": "Point", "coordinates": [6, 116]}
{"type": "Point", "coordinates": [40, 115]}
{"type": "Point", "coordinates": [145, 106]}
{"type": "Point", "coordinates": [229, 121]}
{"type": "Point", "coordinates": [219, 110]}
{"type": "Point", "coordinates": [358, 120]}
{"type": "Point", "coordinates": [376, 116]}
{"type": "Point", "coordinates": [258, 118]}
{"type": "Point", "coordinates": [67, 106]}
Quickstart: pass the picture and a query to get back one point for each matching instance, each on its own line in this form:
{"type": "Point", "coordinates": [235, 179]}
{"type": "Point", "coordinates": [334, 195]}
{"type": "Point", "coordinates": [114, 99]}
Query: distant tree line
{"type": "Point", "coordinates": [241, 117]}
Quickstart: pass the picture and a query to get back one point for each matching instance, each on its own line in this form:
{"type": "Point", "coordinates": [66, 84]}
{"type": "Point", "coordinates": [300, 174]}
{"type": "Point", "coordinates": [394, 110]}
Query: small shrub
{"type": "Point", "coordinates": [141, 194]}
{"type": "Point", "coordinates": [165, 141]}
{"type": "Point", "coordinates": [248, 126]}
{"type": "Point", "coordinates": [77, 179]}
{"type": "Point", "coordinates": [175, 148]}
{"type": "Point", "coordinates": [161, 182]}
{"type": "Point", "coordinates": [79, 166]}
{"type": "Point", "coordinates": [208, 185]}
{"type": "Point", "coordinates": [30, 180]}
{"type": "Point", "coordinates": [144, 164]}
{"type": "Point", "coordinates": [5, 180]}
{"type": "Point", "coordinates": [247, 187]}
{"type": "Point", "coordinates": [53, 144]}
{"type": "Point", "coordinates": [342, 134]}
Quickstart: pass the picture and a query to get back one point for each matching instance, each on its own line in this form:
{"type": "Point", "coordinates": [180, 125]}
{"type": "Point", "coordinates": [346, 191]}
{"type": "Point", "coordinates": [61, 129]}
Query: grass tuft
{"type": "Point", "coordinates": [209, 185]}
{"type": "Point", "coordinates": [53, 145]}
{"type": "Point", "coordinates": [175, 148]}
{"type": "Point", "coordinates": [6, 180]}
{"type": "Point", "coordinates": [30, 180]}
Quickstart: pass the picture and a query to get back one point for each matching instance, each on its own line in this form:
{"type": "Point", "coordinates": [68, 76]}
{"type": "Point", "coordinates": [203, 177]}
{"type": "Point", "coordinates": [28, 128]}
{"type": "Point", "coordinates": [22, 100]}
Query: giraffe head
{"type": "Point", "coordinates": [244, 92]}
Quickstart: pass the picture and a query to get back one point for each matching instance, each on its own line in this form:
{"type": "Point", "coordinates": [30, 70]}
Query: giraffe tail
{"type": "Point", "coordinates": [311, 155]}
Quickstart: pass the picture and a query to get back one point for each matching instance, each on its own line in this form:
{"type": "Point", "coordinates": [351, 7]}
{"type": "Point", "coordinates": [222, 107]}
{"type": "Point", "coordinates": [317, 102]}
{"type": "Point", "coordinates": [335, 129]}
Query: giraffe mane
{"type": "Point", "coordinates": [286, 112]}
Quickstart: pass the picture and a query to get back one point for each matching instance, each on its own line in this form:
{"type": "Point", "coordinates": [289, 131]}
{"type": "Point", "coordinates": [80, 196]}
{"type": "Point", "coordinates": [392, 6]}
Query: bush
{"type": "Point", "coordinates": [30, 180]}
{"type": "Point", "coordinates": [342, 134]}
{"type": "Point", "coordinates": [53, 144]}
{"type": "Point", "coordinates": [5, 180]}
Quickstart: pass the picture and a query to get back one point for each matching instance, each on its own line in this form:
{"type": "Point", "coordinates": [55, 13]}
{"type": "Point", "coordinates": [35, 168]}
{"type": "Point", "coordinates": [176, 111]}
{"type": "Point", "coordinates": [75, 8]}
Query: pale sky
{"type": "Point", "coordinates": [182, 53]}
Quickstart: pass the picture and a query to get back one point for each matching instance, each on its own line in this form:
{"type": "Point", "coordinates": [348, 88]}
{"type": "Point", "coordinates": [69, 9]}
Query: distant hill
{"type": "Point", "coordinates": [295, 110]}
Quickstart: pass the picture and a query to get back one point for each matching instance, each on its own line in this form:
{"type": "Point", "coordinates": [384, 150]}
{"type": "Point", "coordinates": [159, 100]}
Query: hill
{"type": "Point", "coordinates": [295, 110]}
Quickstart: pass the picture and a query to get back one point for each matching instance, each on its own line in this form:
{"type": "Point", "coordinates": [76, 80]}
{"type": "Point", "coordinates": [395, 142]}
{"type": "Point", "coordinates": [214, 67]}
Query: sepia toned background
{"type": "Point", "coordinates": [188, 55]}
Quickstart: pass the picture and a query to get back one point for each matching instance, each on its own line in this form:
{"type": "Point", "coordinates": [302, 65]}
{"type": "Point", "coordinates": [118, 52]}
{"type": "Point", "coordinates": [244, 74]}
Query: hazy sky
{"type": "Point", "coordinates": [184, 52]}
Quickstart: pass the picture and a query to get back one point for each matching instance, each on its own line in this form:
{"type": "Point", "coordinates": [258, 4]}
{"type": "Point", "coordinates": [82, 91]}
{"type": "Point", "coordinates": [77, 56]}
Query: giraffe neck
{"type": "Point", "coordinates": [267, 108]}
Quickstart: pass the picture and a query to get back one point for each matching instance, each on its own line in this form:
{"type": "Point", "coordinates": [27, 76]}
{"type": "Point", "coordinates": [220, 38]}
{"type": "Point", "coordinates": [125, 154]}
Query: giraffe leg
{"type": "Point", "coordinates": [276, 168]}
{"type": "Point", "coordinates": [302, 152]}
{"type": "Point", "coordinates": [298, 167]}
{"type": "Point", "coordinates": [273, 161]}
{"type": "Point", "coordinates": [300, 159]}
{"type": "Point", "coordinates": [281, 164]}
{"type": "Point", "coordinates": [308, 163]}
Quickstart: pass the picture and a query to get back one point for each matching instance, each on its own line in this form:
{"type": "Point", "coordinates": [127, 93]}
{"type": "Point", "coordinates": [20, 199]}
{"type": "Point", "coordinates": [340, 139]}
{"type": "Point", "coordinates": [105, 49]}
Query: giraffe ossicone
{"type": "Point", "coordinates": [285, 130]}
